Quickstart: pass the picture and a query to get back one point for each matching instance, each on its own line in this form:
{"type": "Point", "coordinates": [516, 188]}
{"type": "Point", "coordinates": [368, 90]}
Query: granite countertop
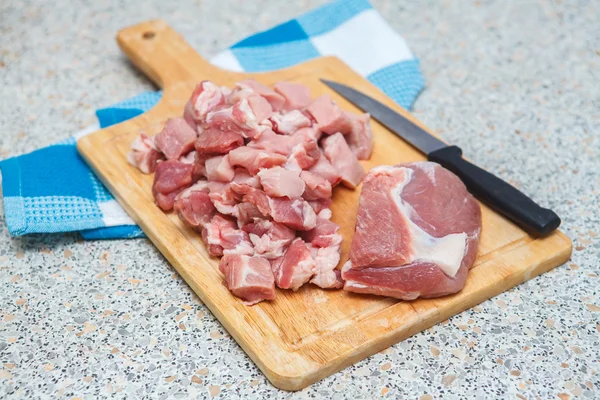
{"type": "Point", "coordinates": [515, 84]}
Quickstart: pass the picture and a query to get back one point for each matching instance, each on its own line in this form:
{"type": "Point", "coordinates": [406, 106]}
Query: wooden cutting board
{"type": "Point", "coordinates": [304, 336]}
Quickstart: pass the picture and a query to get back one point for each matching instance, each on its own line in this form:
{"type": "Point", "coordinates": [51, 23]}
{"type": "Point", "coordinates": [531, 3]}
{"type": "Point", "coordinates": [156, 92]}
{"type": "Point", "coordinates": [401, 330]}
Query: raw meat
{"type": "Point", "coordinates": [295, 268]}
{"type": "Point", "coordinates": [316, 187]}
{"type": "Point", "coordinates": [249, 278]}
{"type": "Point", "coordinates": [269, 238]}
{"type": "Point", "coordinates": [193, 205]}
{"type": "Point", "coordinates": [176, 138]}
{"type": "Point", "coordinates": [296, 96]}
{"type": "Point", "coordinates": [329, 116]}
{"type": "Point", "coordinates": [144, 154]}
{"type": "Point", "coordinates": [290, 122]}
{"type": "Point", "coordinates": [170, 178]}
{"type": "Point", "coordinates": [279, 182]}
{"type": "Point", "coordinates": [360, 138]}
{"type": "Point", "coordinates": [249, 170]}
{"type": "Point", "coordinates": [416, 233]}
{"type": "Point", "coordinates": [343, 159]}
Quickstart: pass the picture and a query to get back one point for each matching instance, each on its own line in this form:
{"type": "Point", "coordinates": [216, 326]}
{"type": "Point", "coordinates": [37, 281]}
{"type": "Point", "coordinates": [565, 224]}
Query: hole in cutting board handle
{"type": "Point", "coordinates": [148, 35]}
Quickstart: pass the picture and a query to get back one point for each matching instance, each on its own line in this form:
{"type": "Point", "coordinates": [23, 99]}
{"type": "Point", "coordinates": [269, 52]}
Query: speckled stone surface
{"type": "Point", "coordinates": [515, 84]}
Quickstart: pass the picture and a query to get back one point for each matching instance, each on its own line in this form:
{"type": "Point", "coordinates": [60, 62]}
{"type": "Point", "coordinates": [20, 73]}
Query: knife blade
{"type": "Point", "coordinates": [490, 189]}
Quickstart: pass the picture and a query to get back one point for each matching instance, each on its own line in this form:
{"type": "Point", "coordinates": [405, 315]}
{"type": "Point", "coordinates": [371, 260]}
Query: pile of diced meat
{"type": "Point", "coordinates": [252, 170]}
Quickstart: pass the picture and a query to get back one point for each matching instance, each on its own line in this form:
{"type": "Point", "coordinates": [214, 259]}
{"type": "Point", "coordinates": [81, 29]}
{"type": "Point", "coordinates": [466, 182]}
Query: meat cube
{"type": "Point", "coordinates": [215, 141]}
{"type": "Point", "coordinates": [222, 236]}
{"type": "Point", "coordinates": [274, 143]}
{"type": "Point", "coordinates": [431, 226]}
{"type": "Point", "coordinates": [296, 213]}
{"type": "Point", "coordinates": [254, 159]}
{"type": "Point", "coordinates": [198, 163]}
{"type": "Point", "coordinates": [296, 266]}
{"type": "Point", "coordinates": [360, 138]}
{"type": "Point", "coordinates": [316, 187]}
{"type": "Point", "coordinates": [144, 154]}
{"type": "Point", "coordinates": [343, 159]}
{"type": "Point", "coordinates": [303, 155]}
{"type": "Point", "coordinates": [218, 169]}
{"type": "Point", "coordinates": [321, 205]}
{"type": "Point", "coordinates": [176, 138]}
{"type": "Point", "coordinates": [223, 197]}
{"type": "Point", "coordinates": [193, 205]}
{"type": "Point", "coordinates": [269, 238]}
{"type": "Point", "coordinates": [170, 178]}
{"type": "Point", "coordinates": [249, 278]}
{"type": "Point", "coordinates": [296, 95]}
{"type": "Point", "coordinates": [243, 177]}
{"type": "Point", "coordinates": [324, 234]}
{"type": "Point", "coordinates": [246, 213]}
{"type": "Point", "coordinates": [290, 122]}
{"type": "Point", "coordinates": [279, 182]}
{"type": "Point", "coordinates": [323, 168]}
{"type": "Point", "coordinates": [249, 113]}
{"type": "Point", "coordinates": [329, 116]}
{"type": "Point", "coordinates": [326, 260]}
{"type": "Point", "coordinates": [205, 98]}
{"type": "Point", "coordinates": [275, 99]}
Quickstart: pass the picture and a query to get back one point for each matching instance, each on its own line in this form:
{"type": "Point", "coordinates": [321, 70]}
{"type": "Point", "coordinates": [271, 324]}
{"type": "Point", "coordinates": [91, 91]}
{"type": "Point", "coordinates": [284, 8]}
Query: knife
{"type": "Point", "coordinates": [496, 193]}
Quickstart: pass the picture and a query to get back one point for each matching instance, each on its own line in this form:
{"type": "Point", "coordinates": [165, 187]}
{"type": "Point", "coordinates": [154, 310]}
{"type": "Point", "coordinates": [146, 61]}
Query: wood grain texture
{"type": "Point", "coordinates": [303, 336]}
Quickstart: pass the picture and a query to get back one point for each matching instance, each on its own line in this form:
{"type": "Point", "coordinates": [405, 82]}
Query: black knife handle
{"type": "Point", "coordinates": [498, 194]}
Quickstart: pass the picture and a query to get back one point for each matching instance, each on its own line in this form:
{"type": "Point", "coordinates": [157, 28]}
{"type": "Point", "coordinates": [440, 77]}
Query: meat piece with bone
{"type": "Point", "coordinates": [170, 178]}
{"type": "Point", "coordinates": [296, 266]}
{"type": "Point", "coordinates": [144, 154]}
{"type": "Point", "coordinates": [249, 278]}
{"type": "Point", "coordinates": [176, 138]}
{"type": "Point", "coordinates": [417, 233]}
{"type": "Point", "coordinates": [343, 159]}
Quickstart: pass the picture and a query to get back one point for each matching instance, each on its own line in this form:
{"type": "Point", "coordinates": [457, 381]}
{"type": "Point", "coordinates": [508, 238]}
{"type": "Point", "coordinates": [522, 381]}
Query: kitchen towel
{"type": "Point", "coordinates": [65, 195]}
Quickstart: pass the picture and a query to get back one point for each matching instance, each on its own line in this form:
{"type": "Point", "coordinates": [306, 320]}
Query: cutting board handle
{"type": "Point", "coordinates": [164, 56]}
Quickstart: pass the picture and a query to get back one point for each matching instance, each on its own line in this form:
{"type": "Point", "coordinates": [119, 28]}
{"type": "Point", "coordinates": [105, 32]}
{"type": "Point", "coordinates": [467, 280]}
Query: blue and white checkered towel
{"type": "Point", "coordinates": [66, 196]}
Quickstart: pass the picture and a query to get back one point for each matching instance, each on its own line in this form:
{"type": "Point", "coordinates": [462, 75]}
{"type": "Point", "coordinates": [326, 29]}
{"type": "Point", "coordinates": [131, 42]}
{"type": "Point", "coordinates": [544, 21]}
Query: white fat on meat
{"type": "Point", "coordinates": [249, 278]}
{"type": "Point", "coordinates": [447, 252]}
{"type": "Point", "coordinates": [279, 182]}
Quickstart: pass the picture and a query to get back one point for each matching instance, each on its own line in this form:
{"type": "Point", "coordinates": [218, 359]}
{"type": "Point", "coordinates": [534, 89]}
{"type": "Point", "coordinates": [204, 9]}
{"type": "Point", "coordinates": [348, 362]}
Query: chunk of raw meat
{"type": "Point", "coordinates": [417, 233]}
{"type": "Point", "coordinates": [343, 159]}
{"type": "Point", "coordinates": [279, 182]}
{"type": "Point", "coordinates": [246, 213]}
{"type": "Point", "coordinates": [324, 169]}
{"type": "Point", "coordinates": [215, 141]}
{"type": "Point", "coordinates": [290, 122]}
{"type": "Point", "coordinates": [275, 99]}
{"type": "Point", "coordinates": [193, 205]}
{"type": "Point", "coordinates": [296, 213]}
{"type": "Point", "coordinates": [303, 155]}
{"type": "Point", "coordinates": [329, 116]}
{"type": "Point", "coordinates": [295, 268]}
{"type": "Point", "coordinates": [296, 96]}
{"type": "Point", "coordinates": [205, 98]}
{"type": "Point", "coordinates": [249, 113]}
{"type": "Point", "coordinates": [316, 187]}
{"type": "Point", "coordinates": [170, 178]}
{"type": "Point", "coordinates": [254, 159]}
{"type": "Point", "coordinates": [324, 234]}
{"type": "Point", "coordinates": [321, 205]}
{"type": "Point", "coordinates": [249, 278]}
{"type": "Point", "coordinates": [144, 154]}
{"type": "Point", "coordinates": [269, 238]}
{"type": "Point", "coordinates": [218, 169]}
{"type": "Point", "coordinates": [222, 236]}
{"type": "Point", "coordinates": [176, 138]}
{"type": "Point", "coordinates": [243, 177]}
{"type": "Point", "coordinates": [274, 143]}
{"type": "Point", "coordinates": [360, 138]}
{"type": "Point", "coordinates": [326, 260]}
{"type": "Point", "coordinates": [223, 197]}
